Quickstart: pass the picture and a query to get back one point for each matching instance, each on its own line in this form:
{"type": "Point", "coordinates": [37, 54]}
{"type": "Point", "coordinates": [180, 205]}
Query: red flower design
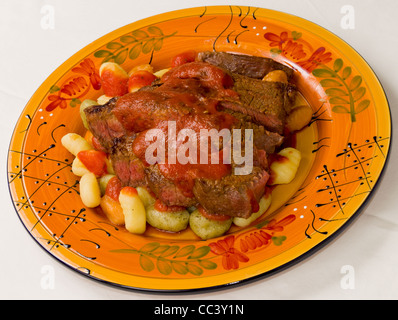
{"type": "Point", "coordinates": [318, 57]}
{"type": "Point", "coordinates": [231, 256]}
{"type": "Point", "coordinates": [275, 40]}
{"type": "Point", "coordinates": [294, 49]}
{"type": "Point", "coordinates": [56, 101]}
{"type": "Point", "coordinates": [87, 68]}
{"type": "Point", "coordinates": [75, 87]}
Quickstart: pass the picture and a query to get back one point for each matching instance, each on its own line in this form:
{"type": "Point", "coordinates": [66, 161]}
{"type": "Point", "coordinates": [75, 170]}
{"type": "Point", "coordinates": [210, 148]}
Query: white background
{"type": "Point", "coordinates": [29, 53]}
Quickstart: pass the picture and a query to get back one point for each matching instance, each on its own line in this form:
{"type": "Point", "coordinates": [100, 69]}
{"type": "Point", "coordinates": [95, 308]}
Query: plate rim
{"type": "Point", "coordinates": [250, 279]}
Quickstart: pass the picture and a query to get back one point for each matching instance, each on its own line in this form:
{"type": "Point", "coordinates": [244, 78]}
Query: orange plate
{"type": "Point", "coordinates": [345, 149]}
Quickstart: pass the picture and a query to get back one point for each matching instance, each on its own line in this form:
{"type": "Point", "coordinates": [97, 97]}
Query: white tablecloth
{"type": "Point", "coordinates": [33, 46]}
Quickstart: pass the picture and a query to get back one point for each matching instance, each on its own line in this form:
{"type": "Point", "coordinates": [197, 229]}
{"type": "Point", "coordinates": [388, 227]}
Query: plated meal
{"type": "Point", "coordinates": [199, 148]}
{"type": "Point", "coordinates": [200, 91]}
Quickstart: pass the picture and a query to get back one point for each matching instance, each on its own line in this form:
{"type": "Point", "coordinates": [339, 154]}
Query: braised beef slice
{"type": "Point", "coordinates": [250, 66]}
{"type": "Point", "coordinates": [261, 106]}
{"type": "Point", "coordinates": [234, 195]}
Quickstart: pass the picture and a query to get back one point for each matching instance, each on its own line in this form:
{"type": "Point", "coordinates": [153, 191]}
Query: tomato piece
{"type": "Point", "coordinates": [113, 188]}
{"type": "Point", "coordinates": [182, 58]}
{"type": "Point", "coordinates": [112, 210]}
{"type": "Point", "coordinates": [96, 144]}
{"type": "Point", "coordinates": [114, 79]}
{"type": "Point", "coordinates": [212, 216]}
{"type": "Point", "coordinates": [139, 79]}
{"type": "Point", "coordinates": [94, 161]}
{"type": "Point", "coordinates": [160, 206]}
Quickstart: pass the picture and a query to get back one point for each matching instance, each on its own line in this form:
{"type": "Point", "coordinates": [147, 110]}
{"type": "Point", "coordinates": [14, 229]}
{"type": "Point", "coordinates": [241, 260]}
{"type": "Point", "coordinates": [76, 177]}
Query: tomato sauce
{"type": "Point", "coordinates": [188, 97]}
{"type": "Point", "coordinates": [160, 206]}
{"type": "Point", "coordinates": [275, 157]}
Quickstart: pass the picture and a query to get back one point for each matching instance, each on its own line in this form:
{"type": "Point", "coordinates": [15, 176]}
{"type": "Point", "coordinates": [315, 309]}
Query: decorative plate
{"type": "Point", "coordinates": [345, 149]}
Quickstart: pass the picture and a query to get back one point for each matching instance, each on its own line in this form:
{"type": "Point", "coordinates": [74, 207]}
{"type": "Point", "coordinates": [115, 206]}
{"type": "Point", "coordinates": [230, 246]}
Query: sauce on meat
{"type": "Point", "coordinates": [189, 95]}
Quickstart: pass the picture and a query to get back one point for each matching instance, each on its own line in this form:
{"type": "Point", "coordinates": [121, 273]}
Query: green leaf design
{"type": "Point", "coordinates": [102, 54]}
{"type": "Point", "coordinates": [275, 52]}
{"type": "Point", "coordinates": [362, 105]}
{"type": "Point", "coordinates": [148, 46]}
{"type": "Point", "coordinates": [133, 44]}
{"type": "Point", "coordinates": [326, 83]}
{"type": "Point", "coordinates": [346, 72]}
{"type": "Point", "coordinates": [340, 109]}
{"type": "Point", "coordinates": [342, 91]}
{"type": "Point", "coordinates": [355, 83]}
{"type": "Point", "coordinates": [124, 251]}
{"type": "Point", "coordinates": [200, 252]}
{"type": "Point", "coordinates": [168, 258]}
{"type": "Point", "coordinates": [296, 35]}
{"type": "Point", "coordinates": [185, 251]}
{"type": "Point", "coordinates": [114, 45]}
{"type": "Point", "coordinates": [194, 269]}
{"type": "Point", "coordinates": [338, 100]}
{"type": "Point", "coordinates": [146, 263]}
{"type": "Point", "coordinates": [338, 64]}
{"type": "Point", "coordinates": [179, 267]}
{"type": "Point", "coordinates": [207, 264]}
{"type": "Point", "coordinates": [149, 247]}
{"type": "Point", "coordinates": [359, 93]}
{"type": "Point", "coordinates": [278, 240]}
{"type": "Point", "coordinates": [121, 56]}
{"type": "Point", "coordinates": [170, 251]}
{"type": "Point", "coordinates": [54, 88]}
{"type": "Point", "coordinates": [158, 44]}
{"type": "Point", "coordinates": [155, 31]}
{"type": "Point", "coordinates": [135, 51]}
{"type": "Point", "coordinates": [161, 249]}
{"type": "Point", "coordinates": [140, 34]}
{"type": "Point", "coordinates": [336, 92]}
{"type": "Point", "coordinates": [74, 102]}
{"type": "Point", "coordinates": [127, 39]}
{"type": "Point", "coordinates": [164, 266]}
{"type": "Point", "coordinates": [323, 73]}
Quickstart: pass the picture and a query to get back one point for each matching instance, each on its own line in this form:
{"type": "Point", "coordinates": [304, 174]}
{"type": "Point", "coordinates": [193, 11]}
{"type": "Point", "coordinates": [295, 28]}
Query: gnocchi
{"type": "Point", "coordinates": [276, 76]}
{"type": "Point", "coordinates": [78, 168]}
{"type": "Point", "coordinates": [206, 228]}
{"type": "Point", "coordinates": [103, 99]}
{"type": "Point", "coordinates": [264, 204]}
{"type": "Point", "coordinates": [146, 197]}
{"type": "Point", "coordinates": [146, 67]}
{"type": "Point", "coordinates": [75, 143]}
{"type": "Point", "coordinates": [136, 208]}
{"type": "Point", "coordinates": [285, 168]}
{"type": "Point", "coordinates": [89, 190]}
{"type": "Point", "coordinates": [160, 73]}
{"type": "Point", "coordinates": [112, 209]}
{"type": "Point", "coordinates": [84, 105]}
{"type": "Point", "coordinates": [173, 221]}
{"type": "Point", "coordinates": [298, 118]}
{"type": "Point", "coordinates": [133, 210]}
{"type": "Point", "coordinates": [103, 182]}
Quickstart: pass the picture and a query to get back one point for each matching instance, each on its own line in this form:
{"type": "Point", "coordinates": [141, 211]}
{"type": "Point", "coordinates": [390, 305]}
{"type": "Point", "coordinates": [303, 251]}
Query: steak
{"type": "Point", "coordinates": [267, 103]}
{"type": "Point", "coordinates": [196, 95]}
{"type": "Point", "coordinates": [104, 125]}
{"type": "Point", "coordinates": [250, 66]}
{"type": "Point", "coordinates": [129, 168]}
{"type": "Point", "coordinates": [233, 195]}
{"type": "Point", "coordinates": [166, 190]}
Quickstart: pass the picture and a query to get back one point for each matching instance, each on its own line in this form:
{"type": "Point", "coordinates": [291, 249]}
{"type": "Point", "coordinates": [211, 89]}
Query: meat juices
{"type": "Point", "coordinates": [196, 96]}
